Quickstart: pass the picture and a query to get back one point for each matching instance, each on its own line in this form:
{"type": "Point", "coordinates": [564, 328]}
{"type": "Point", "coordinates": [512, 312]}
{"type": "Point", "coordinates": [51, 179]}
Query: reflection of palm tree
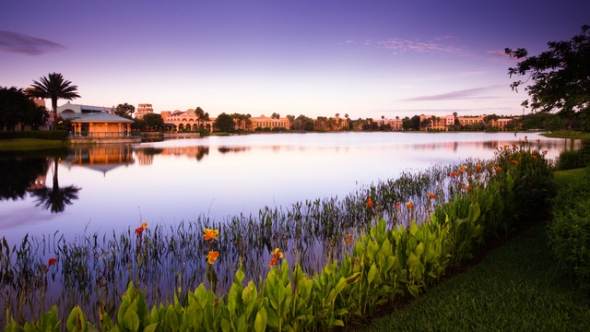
{"type": "Point", "coordinates": [56, 198]}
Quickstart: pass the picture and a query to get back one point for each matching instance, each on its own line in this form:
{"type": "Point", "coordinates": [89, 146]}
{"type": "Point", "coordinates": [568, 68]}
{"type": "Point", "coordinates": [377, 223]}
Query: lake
{"type": "Point", "coordinates": [116, 187]}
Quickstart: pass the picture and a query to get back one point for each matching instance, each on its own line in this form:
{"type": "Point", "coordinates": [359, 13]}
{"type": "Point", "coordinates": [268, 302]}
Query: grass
{"type": "Point", "coordinates": [24, 144]}
{"type": "Point", "coordinates": [568, 134]}
{"type": "Point", "coordinates": [517, 287]}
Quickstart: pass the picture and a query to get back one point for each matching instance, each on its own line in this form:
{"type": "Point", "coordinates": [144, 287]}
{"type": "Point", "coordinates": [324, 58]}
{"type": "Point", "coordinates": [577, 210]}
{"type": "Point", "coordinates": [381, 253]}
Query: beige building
{"type": "Point", "coordinates": [189, 121]}
{"type": "Point", "coordinates": [143, 109]}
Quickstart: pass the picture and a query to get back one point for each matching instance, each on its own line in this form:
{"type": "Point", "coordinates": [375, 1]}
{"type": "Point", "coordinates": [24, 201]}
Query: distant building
{"type": "Point", "coordinates": [143, 109]}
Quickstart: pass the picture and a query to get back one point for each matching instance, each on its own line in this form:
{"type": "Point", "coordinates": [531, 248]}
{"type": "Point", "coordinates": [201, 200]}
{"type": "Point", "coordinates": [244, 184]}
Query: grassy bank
{"type": "Point", "coordinates": [568, 134]}
{"type": "Point", "coordinates": [515, 288]}
{"type": "Point", "coordinates": [26, 144]}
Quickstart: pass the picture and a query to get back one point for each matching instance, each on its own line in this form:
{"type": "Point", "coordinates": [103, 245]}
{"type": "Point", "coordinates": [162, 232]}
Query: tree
{"type": "Point", "coordinates": [17, 108]}
{"type": "Point", "coordinates": [54, 87]}
{"type": "Point", "coordinates": [225, 122]}
{"type": "Point", "coordinates": [561, 75]}
{"type": "Point", "coordinates": [275, 116]}
{"type": "Point", "coordinates": [125, 110]}
{"type": "Point", "coordinates": [153, 121]}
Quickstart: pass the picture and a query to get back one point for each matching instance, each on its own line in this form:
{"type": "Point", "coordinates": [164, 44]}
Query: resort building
{"type": "Point", "coordinates": [189, 121]}
{"type": "Point", "coordinates": [94, 124]}
{"type": "Point", "coordinates": [143, 109]}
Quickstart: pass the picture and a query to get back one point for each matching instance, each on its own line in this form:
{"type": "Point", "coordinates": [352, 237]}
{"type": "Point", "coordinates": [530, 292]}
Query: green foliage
{"type": "Point", "coordinates": [225, 123]}
{"type": "Point", "coordinates": [561, 75]}
{"type": "Point", "coordinates": [569, 233]}
{"type": "Point", "coordinates": [570, 159]}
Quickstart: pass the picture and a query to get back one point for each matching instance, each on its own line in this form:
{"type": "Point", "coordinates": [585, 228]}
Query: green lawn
{"type": "Point", "coordinates": [30, 144]}
{"type": "Point", "coordinates": [517, 287]}
{"type": "Point", "coordinates": [568, 134]}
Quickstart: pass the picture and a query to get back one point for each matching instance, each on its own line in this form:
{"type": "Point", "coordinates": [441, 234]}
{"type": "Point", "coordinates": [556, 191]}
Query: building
{"type": "Point", "coordinates": [94, 124]}
{"type": "Point", "coordinates": [189, 121]}
{"type": "Point", "coordinates": [142, 110]}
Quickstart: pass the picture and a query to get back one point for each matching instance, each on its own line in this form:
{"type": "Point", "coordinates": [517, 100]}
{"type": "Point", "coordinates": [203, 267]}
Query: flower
{"type": "Point", "coordinates": [369, 202]}
{"type": "Point", "coordinates": [497, 169]}
{"type": "Point", "coordinates": [454, 173]}
{"type": "Point", "coordinates": [276, 255]}
{"type": "Point", "coordinates": [478, 167]}
{"type": "Point", "coordinates": [144, 225]}
{"type": "Point", "coordinates": [210, 234]}
{"type": "Point", "coordinates": [51, 261]}
{"type": "Point", "coordinates": [348, 238]}
{"type": "Point", "coordinates": [397, 205]}
{"type": "Point", "coordinates": [431, 195]}
{"type": "Point", "coordinates": [139, 230]}
{"type": "Point", "coordinates": [469, 188]}
{"type": "Point", "coordinates": [410, 205]}
{"type": "Point", "coordinates": [514, 162]}
{"type": "Point", "coordinates": [212, 256]}
{"type": "Point", "coordinates": [463, 167]}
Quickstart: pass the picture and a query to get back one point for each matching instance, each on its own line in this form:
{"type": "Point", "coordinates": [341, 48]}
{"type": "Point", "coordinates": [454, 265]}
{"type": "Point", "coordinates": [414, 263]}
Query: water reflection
{"type": "Point", "coordinates": [55, 198]}
{"type": "Point", "coordinates": [101, 158]}
{"type": "Point", "coordinates": [20, 174]}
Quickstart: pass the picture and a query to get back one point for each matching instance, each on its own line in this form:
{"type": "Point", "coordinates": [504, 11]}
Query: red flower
{"type": "Point", "coordinates": [431, 195]}
{"type": "Point", "coordinates": [51, 261]}
{"type": "Point", "coordinates": [369, 202]}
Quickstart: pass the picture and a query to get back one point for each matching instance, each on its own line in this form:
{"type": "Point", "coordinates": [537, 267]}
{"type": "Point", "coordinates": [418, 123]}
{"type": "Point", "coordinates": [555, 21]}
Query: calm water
{"type": "Point", "coordinates": [116, 187]}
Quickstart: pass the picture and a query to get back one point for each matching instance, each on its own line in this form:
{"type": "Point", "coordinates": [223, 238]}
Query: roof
{"type": "Point", "coordinates": [98, 117]}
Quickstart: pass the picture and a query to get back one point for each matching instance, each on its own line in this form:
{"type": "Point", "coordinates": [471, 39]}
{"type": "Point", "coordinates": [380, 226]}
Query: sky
{"type": "Point", "coordinates": [364, 58]}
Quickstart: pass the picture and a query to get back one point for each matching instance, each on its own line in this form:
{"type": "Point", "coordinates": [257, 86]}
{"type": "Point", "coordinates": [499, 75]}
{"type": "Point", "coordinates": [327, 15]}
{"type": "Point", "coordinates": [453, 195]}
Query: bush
{"type": "Point", "coordinates": [570, 159]}
{"type": "Point", "coordinates": [569, 233]}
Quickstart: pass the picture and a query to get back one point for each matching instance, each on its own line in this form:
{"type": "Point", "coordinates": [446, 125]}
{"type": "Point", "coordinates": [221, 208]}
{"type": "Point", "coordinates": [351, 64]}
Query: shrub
{"type": "Point", "coordinates": [570, 159]}
{"type": "Point", "coordinates": [569, 233]}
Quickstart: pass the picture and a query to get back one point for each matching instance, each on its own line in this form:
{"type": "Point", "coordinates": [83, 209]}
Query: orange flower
{"type": "Point", "coordinates": [410, 205]}
{"type": "Point", "coordinates": [538, 140]}
{"type": "Point", "coordinates": [144, 225]}
{"type": "Point", "coordinates": [369, 202]}
{"type": "Point", "coordinates": [51, 261]}
{"type": "Point", "coordinates": [478, 167]}
{"type": "Point", "coordinates": [348, 238]}
{"type": "Point", "coordinates": [454, 173]}
{"type": "Point", "coordinates": [276, 255]}
{"type": "Point", "coordinates": [139, 230]}
{"type": "Point", "coordinates": [212, 256]}
{"type": "Point", "coordinates": [514, 162]}
{"type": "Point", "coordinates": [431, 195]}
{"type": "Point", "coordinates": [210, 234]}
{"type": "Point", "coordinates": [498, 169]}
{"type": "Point", "coordinates": [397, 205]}
{"type": "Point", "coordinates": [469, 188]}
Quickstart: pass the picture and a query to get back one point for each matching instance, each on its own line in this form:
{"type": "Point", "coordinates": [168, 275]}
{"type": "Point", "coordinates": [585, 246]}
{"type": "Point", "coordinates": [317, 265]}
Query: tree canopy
{"type": "Point", "coordinates": [225, 122]}
{"type": "Point", "coordinates": [560, 76]}
{"type": "Point", "coordinates": [125, 110]}
{"type": "Point", "coordinates": [16, 108]}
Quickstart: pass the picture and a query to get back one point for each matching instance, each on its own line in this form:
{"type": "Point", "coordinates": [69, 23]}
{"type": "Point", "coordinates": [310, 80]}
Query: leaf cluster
{"type": "Point", "coordinates": [560, 76]}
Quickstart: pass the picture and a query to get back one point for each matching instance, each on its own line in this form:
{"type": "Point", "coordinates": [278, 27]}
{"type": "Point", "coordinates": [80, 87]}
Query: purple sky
{"type": "Point", "coordinates": [318, 58]}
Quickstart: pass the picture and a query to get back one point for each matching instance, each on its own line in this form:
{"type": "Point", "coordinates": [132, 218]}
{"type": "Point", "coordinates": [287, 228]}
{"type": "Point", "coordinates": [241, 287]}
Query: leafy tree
{"type": "Point", "coordinates": [125, 110]}
{"type": "Point", "coordinates": [225, 122]}
{"type": "Point", "coordinates": [407, 123]}
{"type": "Point", "coordinates": [302, 122]}
{"type": "Point", "coordinates": [561, 75]}
{"type": "Point", "coordinates": [17, 108]}
{"type": "Point", "coordinates": [153, 121]}
{"type": "Point", "coordinates": [275, 116]}
{"type": "Point", "coordinates": [415, 122]}
{"type": "Point", "coordinates": [54, 87]}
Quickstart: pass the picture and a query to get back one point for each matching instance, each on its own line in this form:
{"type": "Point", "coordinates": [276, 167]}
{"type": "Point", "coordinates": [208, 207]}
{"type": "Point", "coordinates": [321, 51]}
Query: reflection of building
{"type": "Point", "coordinates": [92, 124]}
{"type": "Point", "coordinates": [101, 158]}
{"type": "Point", "coordinates": [143, 109]}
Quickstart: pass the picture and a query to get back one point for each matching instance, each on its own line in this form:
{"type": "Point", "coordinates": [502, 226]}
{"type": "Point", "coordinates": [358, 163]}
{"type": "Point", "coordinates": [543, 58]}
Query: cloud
{"type": "Point", "coordinates": [460, 94]}
{"type": "Point", "coordinates": [21, 43]}
{"type": "Point", "coordinates": [400, 46]}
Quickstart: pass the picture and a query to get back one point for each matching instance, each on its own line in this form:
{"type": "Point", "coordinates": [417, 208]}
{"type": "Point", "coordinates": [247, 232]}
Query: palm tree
{"type": "Point", "coordinates": [54, 87]}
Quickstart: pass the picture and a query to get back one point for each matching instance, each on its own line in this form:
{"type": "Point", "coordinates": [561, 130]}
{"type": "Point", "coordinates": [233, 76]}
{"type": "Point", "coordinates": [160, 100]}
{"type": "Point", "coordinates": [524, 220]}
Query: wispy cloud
{"type": "Point", "coordinates": [460, 94]}
{"type": "Point", "coordinates": [401, 46]}
{"type": "Point", "coordinates": [21, 43]}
